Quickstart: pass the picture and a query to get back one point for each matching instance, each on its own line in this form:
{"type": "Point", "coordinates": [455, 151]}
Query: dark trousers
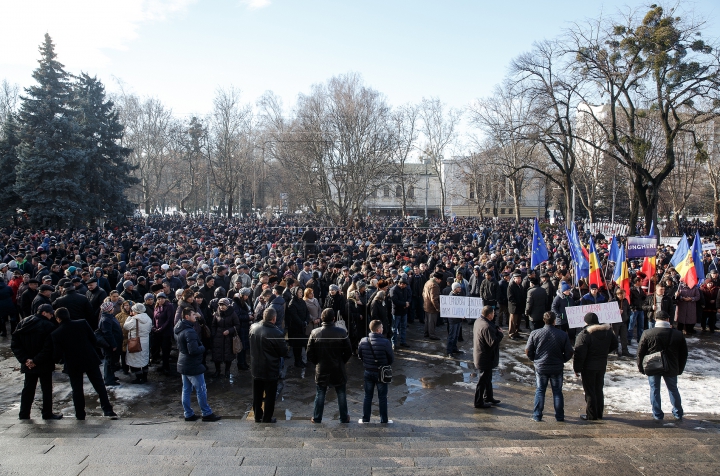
{"type": "Point", "coordinates": [162, 342]}
{"type": "Point", "coordinates": [28, 393]}
{"type": "Point", "coordinates": [593, 382]}
{"type": "Point", "coordinates": [483, 391]}
{"type": "Point", "coordinates": [708, 320]}
{"type": "Point", "coordinates": [76, 382]}
{"type": "Point", "coordinates": [264, 396]}
{"type": "Point", "coordinates": [537, 325]}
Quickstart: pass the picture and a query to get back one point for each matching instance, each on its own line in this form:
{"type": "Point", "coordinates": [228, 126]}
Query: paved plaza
{"type": "Point", "coordinates": [436, 430]}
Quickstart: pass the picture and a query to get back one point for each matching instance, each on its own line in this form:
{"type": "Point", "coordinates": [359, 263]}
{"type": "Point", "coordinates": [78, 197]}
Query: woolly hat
{"type": "Point", "coordinates": [138, 307]}
{"type": "Point", "coordinates": [564, 287]}
{"type": "Point", "coordinates": [127, 284]}
{"type": "Point", "coordinates": [455, 286]}
{"type": "Point", "coordinates": [107, 307]}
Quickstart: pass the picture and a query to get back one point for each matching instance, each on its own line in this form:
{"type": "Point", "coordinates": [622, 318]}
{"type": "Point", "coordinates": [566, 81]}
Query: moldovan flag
{"type": "Point", "coordinates": [649, 266]}
{"type": "Point", "coordinates": [595, 276]}
{"type": "Point", "coordinates": [683, 262]}
{"type": "Point", "coordinates": [621, 275]}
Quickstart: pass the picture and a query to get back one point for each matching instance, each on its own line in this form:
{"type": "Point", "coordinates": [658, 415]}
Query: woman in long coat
{"type": "Point", "coordinates": [296, 318]}
{"type": "Point", "coordinates": [313, 307]}
{"type": "Point", "coordinates": [125, 311]}
{"type": "Point", "coordinates": [225, 325]}
{"type": "Point", "coordinates": [686, 311]}
{"type": "Point", "coordinates": [139, 324]}
{"type": "Point", "coordinates": [245, 316]}
{"type": "Point", "coordinates": [379, 310]}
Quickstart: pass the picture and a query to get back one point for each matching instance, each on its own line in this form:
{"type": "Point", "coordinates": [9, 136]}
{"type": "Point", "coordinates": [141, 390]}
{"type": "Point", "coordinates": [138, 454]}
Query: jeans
{"type": "Point", "coordinates": [637, 319]}
{"type": "Point", "coordinates": [372, 380]}
{"type": "Point", "coordinates": [671, 384]}
{"type": "Point", "coordinates": [556, 382]}
{"type": "Point", "coordinates": [320, 402]}
{"type": "Point", "coordinates": [399, 327]}
{"type": "Point", "coordinates": [453, 332]}
{"type": "Point", "coordinates": [198, 383]}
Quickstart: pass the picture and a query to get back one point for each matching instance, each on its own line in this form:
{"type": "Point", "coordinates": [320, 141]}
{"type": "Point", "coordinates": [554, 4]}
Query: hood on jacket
{"type": "Point", "coordinates": [182, 325]}
{"type": "Point", "coordinates": [598, 327]}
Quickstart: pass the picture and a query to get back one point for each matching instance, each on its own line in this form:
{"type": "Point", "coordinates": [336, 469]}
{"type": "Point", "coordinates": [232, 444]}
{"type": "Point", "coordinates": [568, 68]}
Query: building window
{"type": "Point", "coordinates": [487, 210]}
{"type": "Point", "coordinates": [398, 191]}
{"type": "Point", "coordinates": [510, 211]}
{"type": "Point", "coordinates": [386, 191]}
{"type": "Point", "coordinates": [472, 193]}
{"type": "Point", "coordinates": [411, 192]}
{"type": "Point", "coordinates": [502, 211]}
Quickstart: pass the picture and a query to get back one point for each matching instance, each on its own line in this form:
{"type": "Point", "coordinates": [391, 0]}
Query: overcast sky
{"type": "Point", "coordinates": [182, 50]}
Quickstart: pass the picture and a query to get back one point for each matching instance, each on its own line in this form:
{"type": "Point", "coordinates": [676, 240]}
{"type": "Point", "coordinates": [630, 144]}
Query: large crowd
{"type": "Point", "coordinates": [255, 293]}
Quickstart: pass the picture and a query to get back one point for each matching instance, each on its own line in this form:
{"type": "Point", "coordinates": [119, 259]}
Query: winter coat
{"type": "Point", "coordinates": [536, 303]}
{"type": "Point", "coordinates": [25, 302]}
{"type": "Point", "coordinates": [39, 301]}
{"type": "Point", "coordinates": [592, 346]}
{"type": "Point", "coordinates": [398, 298]}
{"type": "Point", "coordinates": [77, 304]}
{"type": "Point", "coordinates": [431, 297]}
{"type": "Point", "coordinates": [179, 309]}
{"type": "Point", "coordinates": [142, 358]}
{"type": "Point", "coordinates": [122, 317]}
{"type": "Point", "coordinates": [111, 331]}
{"type": "Point", "coordinates": [31, 340]}
{"type": "Point", "coordinates": [222, 347]}
{"type": "Point", "coordinates": [278, 303]}
{"type": "Point", "coordinates": [379, 311]}
{"type": "Point", "coordinates": [649, 304]}
{"type": "Point", "coordinates": [296, 318]}
{"type": "Point", "coordinates": [589, 299]}
{"type": "Point", "coordinates": [489, 290]}
{"type": "Point", "coordinates": [486, 344]}
{"type": "Point", "coordinates": [163, 318]}
{"type": "Point", "coordinates": [267, 346]}
{"type": "Point", "coordinates": [74, 342]}
{"type": "Point", "coordinates": [637, 298]}
{"type": "Point", "coordinates": [560, 303]}
{"type": "Point", "coordinates": [6, 299]}
{"type": "Point", "coordinates": [624, 309]}
{"type": "Point", "coordinates": [517, 298]}
{"type": "Point", "coordinates": [329, 349]}
{"type": "Point", "coordinates": [190, 349]}
{"type": "Point", "coordinates": [96, 298]}
{"type": "Point", "coordinates": [549, 348]}
{"type": "Point", "coordinates": [686, 311]}
{"type": "Point", "coordinates": [314, 309]}
{"type": "Point", "coordinates": [668, 340]}
{"type": "Point", "coordinates": [382, 352]}
{"type": "Point", "coordinates": [242, 310]}
{"type": "Point", "coordinates": [337, 303]}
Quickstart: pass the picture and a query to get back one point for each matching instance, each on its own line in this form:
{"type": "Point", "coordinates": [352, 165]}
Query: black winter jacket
{"type": "Point", "coordinates": [671, 342]}
{"type": "Point", "coordinates": [486, 344]}
{"type": "Point", "coordinates": [77, 304]}
{"type": "Point", "coordinates": [592, 346]}
{"type": "Point", "coordinates": [31, 340]}
{"type": "Point", "coordinates": [111, 331]}
{"type": "Point", "coordinates": [74, 342]}
{"type": "Point", "coordinates": [382, 348]}
{"type": "Point", "coordinates": [399, 297]}
{"type": "Point", "coordinates": [190, 349]}
{"type": "Point", "coordinates": [267, 346]}
{"type": "Point", "coordinates": [329, 349]}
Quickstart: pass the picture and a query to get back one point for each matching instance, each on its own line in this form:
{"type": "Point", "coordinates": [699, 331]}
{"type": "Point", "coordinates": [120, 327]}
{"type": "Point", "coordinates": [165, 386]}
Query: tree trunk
{"type": "Point", "coordinates": [516, 202]}
{"type": "Point", "coordinates": [230, 200]}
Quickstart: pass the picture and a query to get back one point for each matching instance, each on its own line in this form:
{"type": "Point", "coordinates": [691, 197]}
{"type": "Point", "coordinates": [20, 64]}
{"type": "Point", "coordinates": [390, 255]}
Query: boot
{"type": "Point", "coordinates": [144, 376]}
{"type": "Point", "coordinates": [217, 370]}
{"type": "Point", "coordinates": [138, 378]}
{"type": "Point", "coordinates": [227, 369]}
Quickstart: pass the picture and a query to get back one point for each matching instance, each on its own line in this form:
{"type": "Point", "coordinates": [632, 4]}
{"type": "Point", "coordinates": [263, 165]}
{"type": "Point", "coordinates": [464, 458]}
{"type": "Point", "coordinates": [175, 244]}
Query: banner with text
{"type": "Point", "coordinates": [607, 313]}
{"type": "Point", "coordinates": [607, 228]}
{"type": "Point", "coordinates": [641, 246]}
{"type": "Point", "coordinates": [460, 307]}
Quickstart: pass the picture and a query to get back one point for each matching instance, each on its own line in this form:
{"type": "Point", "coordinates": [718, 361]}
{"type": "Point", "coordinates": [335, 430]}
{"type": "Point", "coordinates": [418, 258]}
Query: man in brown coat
{"type": "Point", "coordinates": [431, 304]}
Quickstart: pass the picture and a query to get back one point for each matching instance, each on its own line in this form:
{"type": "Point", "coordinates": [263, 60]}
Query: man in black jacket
{"type": "Point", "coordinates": [43, 297]}
{"type": "Point", "coordinates": [375, 351]}
{"type": "Point", "coordinates": [671, 342]}
{"type": "Point", "coordinates": [536, 303]}
{"type": "Point", "coordinates": [401, 298]}
{"type": "Point", "coordinates": [32, 346]}
{"type": "Point", "coordinates": [329, 349]}
{"type": "Point", "coordinates": [267, 347]}
{"type": "Point", "coordinates": [592, 346]}
{"type": "Point", "coordinates": [517, 296]}
{"type": "Point", "coordinates": [74, 342]}
{"type": "Point", "coordinates": [76, 304]}
{"type": "Point", "coordinates": [486, 356]}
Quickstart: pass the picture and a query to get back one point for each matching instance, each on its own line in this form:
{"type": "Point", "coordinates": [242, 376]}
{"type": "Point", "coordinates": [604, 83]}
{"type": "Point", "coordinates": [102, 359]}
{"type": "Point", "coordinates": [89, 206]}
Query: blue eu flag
{"type": "Point", "coordinates": [539, 249]}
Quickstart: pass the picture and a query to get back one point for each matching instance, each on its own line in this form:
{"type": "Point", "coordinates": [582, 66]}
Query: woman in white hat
{"type": "Point", "coordinates": [138, 324]}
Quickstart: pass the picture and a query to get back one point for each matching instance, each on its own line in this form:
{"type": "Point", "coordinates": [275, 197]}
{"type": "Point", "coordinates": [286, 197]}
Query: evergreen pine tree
{"type": "Point", "coordinates": [8, 161]}
{"type": "Point", "coordinates": [107, 174]}
{"type": "Point", "coordinates": [49, 161]}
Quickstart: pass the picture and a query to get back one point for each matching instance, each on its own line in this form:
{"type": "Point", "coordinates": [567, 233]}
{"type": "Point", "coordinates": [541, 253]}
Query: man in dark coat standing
{"type": "Point", "coordinates": [267, 347]}
{"type": "Point", "coordinates": [32, 346]}
{"type": "Point", "coordinates": [329, 349]}
{"type": "Point", "coordinates": [536, 303]}
{"type": "Point", "coordinates": [74, 342]}
{"type": "Point", "coordinates": [592, 346]}
{"type": "Point", "coordinates": [486, 356]}
{"type": "Point", "coordinates": [671, 342]}
{"type": "Point", "coordinates": [517, 296]}
{"type": "Point", "coordinates": [96, 296]}
{"type": "Point", "coordinates": [76, 304]}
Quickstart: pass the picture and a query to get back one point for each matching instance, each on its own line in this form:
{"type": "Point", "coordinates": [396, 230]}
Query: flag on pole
{"type": "Point", "coordinates": [683, 262]}
{"type": "Point", "coordinates": [595, 273]}
{"type": "Point", "coordinates": [697, 257]}
{"type": "Point", "coordinates": [614, 251]}
{"type": "Point", "coordinates": [539, 251]}
{"type": "Point", "coordinates": [652, 228]}
{"type": "Point", "coordinates": [581, 264]}
{"type": "Point", "coordinates": [621, 275]}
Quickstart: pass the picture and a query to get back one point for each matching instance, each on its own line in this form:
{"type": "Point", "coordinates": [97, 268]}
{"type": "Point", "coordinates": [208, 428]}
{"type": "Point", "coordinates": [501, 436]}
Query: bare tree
{"type": "Point", "coordinates": [9, 96]}
{"type": "Point", "coordinates": [439, 127]}
{"type": "Point", "coordinates": [404, 124]}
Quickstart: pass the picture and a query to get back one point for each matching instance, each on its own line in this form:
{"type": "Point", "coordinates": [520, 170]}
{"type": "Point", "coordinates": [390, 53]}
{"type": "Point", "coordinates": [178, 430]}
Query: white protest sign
{"type": "Point", "coordinates": [673, 241]}
{"type": "Point", "coordinates": [460, 306]}
{"type": "Point", "coordinates": [708, 246]}
{"type": "Point", "coordinates": [607, 313]}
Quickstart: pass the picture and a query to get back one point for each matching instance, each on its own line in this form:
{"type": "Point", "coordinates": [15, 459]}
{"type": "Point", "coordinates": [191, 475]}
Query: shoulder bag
{"type": "Point", "coordinates": [237, 343]}
{"type": "Point", "coordinates": [657, 362]}
{"type": "Point", "coordinates": [341, 323]}
{"type": "Point", "coordinates": [133, 344]}
{"type": "Point", "coordinates": [384, 371]}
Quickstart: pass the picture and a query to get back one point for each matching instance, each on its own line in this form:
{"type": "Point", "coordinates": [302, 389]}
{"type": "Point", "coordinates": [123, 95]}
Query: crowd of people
{"type": "Point", "coordinates": [227, 291]}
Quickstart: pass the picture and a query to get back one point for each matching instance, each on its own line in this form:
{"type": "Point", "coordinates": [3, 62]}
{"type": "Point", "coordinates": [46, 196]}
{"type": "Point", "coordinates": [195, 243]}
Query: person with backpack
{"type": "Point", "coordinates": [671, 345]}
